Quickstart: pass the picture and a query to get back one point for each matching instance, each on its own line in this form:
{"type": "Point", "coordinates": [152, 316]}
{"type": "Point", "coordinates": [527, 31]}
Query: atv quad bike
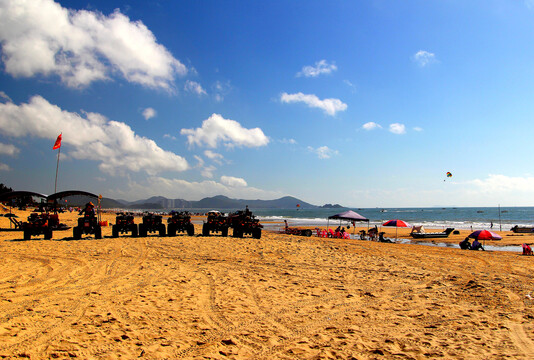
{"type": "Point", "coordinates": [44, 223]}
{"type": "Point", "coordinates": [151, 223]}
{"type": "Point", "coordinates": [87, 225]}
{"type": "Point", "coordinates": [124, 223]}
{"type": "Point", "coordinates": [179, 222]}
{"type": "Point", "coordinates": [243, 222]}
{"type": "Point", "coordinates": [215, 222]}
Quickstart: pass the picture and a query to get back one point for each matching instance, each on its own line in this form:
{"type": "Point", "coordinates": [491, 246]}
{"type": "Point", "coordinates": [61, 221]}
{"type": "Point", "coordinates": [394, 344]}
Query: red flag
{"type": "Point", "coordinates": [57, 144]}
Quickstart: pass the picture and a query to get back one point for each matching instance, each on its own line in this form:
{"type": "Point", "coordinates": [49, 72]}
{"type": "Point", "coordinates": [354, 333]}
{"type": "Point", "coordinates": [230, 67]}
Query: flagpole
{"type": "Point", "coordinates": [57, 168]}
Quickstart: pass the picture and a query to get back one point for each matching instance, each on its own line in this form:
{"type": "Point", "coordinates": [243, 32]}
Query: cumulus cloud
{"type": "Point", "coordinates": [397, 128]}
{"type": "Point", "coordinates": [194, 87]}
{"type": "Point", "coordinates": [323, 152]}
{"type": "Point", "coordinates": [196, 190]}
{"type": "Point", "coordinates": [321, 67]}
{"type": "Point", "coordinates": [80, 46]}
{"type": "Point", "coordinates": [89, 136]}
{"type": "Point", "coordinates": [371, 126]}
{"type": "Point", "coordinates": [217, 129]}
{"type": "Point", "coordinates": [149, 113]}
{"type": "Point", "coordinates": [233, 181]}
{"type": "Point", "coordinates": [424, 58]}
{"type": "Point", "coordinates": [8, 149]}
{"type": "Point", "coordinates": [329, 106]}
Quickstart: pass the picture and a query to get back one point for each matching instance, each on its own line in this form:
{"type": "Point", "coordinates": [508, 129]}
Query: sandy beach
{"type": "Point", "coordinates": [280, 297]}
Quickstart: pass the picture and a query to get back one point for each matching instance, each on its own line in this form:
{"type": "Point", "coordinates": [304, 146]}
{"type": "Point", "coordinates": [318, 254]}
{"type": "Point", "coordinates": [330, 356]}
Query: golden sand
{"type": "Point", "coordinates": [281, 297]}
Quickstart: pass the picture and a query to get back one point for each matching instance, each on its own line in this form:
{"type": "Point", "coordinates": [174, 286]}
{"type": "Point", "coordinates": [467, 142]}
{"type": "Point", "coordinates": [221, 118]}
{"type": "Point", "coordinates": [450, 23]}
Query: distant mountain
{"type": "Point", "coordinates": [330, 206]}
{"type": "Point", "coordinates": [215, 202]}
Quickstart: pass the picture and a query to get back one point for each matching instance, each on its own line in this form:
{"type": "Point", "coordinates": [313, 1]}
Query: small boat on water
{"type": "Point", "coordinates": [432, 235]}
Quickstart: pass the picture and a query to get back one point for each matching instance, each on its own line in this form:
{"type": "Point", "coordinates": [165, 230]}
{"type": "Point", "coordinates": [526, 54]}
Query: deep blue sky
{"type": "Point", "coordinates": [363, 103]}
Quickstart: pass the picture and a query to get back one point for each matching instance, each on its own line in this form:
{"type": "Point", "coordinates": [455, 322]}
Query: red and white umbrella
{"type": "Point", "coordinates": [397, 223]}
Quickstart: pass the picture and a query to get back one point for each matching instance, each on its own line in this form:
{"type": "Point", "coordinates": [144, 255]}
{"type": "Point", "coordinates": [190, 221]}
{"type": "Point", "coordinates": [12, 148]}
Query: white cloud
{"type": "Point", "coordinates": [4, 167]}
{"type": "Point", "coordinates": [323, 152]}
{"type": "Point", "coordinates": [221, 89]}
{"type": "Point", "coordinates": [233, 181]}
{"type": "Point", "coordinates": [182, 189]}
{"type": "Point", "coordinates": [194, 87]}
{"type": "Point", "coordinates": [397, 128]}
{"type": "Point", "coordinates": [424, 58]}
{"type": "Point", "coordinates": [4, 96]}
{"type": "Point", "coordinates": [149, 113]}
{"type": "Point", "coordinates": [217, 129]}
{"type": "Point", "coordinates": [288, 141]}
{"type": "Point", "coordinates": [329, 106]}
{"type": "Point", "coordinates": [495, 183]}
{"type": "Point", "coordinates": [169, 136]}
{"type": "Point", "coordinates": [371, 126]}
{"type": "Point", "coordinates": [216, 157]}
{"type": "Point", "coordinates": [80, 46]}
{"type": "Point", "coordinates": [90, 137]}
{"type": "Point", "coordinates": [207, 171]}
{"type": "Point", "coordinates": [321, 67]}
{"type": "Point", "coordinates": [418, 129]}
{"type": "Point", "coordinates": [8, 149]}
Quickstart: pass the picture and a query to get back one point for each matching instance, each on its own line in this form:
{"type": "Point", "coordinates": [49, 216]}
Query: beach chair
{"type": "Point", "coordinates": [331, 233]}
{"type": "Point", "coordinates": [526, 250]}
{"type": "Point", "coordinates": [346, 235]}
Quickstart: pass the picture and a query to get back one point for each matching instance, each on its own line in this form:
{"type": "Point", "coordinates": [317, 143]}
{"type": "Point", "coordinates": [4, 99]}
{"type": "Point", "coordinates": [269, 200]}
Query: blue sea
{"type": "Point", "coordinates": [476, 218]}
{"type": "Point", "coordinates": [433, 218]}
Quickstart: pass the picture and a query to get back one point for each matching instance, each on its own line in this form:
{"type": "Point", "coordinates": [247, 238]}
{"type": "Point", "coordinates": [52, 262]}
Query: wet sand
{"type": "Point", "coordinates": [280, 297]}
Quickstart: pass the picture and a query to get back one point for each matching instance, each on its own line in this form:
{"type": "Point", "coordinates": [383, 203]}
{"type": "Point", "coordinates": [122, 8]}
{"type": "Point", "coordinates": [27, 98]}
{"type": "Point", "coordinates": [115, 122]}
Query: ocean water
{"type": "Point", "coordinates": [433, 218]}
{"type": "Point", "coordinates": [438, 218]}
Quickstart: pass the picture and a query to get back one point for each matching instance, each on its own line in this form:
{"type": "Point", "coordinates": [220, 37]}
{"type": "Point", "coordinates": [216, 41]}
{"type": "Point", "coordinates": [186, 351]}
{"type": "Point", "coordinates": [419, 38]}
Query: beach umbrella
{"type": "Point", "coordinates": [484, 235]}
{"type": "Point", "coordinates": [397, 223]}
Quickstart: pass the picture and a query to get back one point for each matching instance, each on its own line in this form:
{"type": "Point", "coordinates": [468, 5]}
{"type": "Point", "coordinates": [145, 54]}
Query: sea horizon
{"type": "Point", "coordinates": [476, 218]}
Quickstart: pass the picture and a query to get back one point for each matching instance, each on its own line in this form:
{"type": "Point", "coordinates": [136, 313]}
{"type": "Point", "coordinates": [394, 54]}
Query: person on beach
{"type": "Point", "coordinates": [465, 244]}
{"type": "Point", "coordinates": [476, 245]}
{"type": "Point", "coordinates": [89, 210]}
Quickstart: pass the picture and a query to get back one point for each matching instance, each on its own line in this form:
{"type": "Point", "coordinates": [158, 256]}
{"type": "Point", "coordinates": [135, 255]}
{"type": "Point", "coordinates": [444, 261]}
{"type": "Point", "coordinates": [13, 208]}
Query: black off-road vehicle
{"type": "Point", "coordinates": [179, 222]}
{"type": "Point", "coordinates": [151, 223]}
{"type": "Point", "coordinates": [215, 222]}
{"type": "Point", "coordinates": [41, 224]}
{"type": "Point", "coordinates": [87, 225]}
{"type": "Point", "coordinates": [243, 222]}
{"type": "Point", "coordinates": [124, 223]}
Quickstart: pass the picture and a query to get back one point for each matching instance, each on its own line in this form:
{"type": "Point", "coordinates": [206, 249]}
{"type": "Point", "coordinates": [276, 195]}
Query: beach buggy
{"type": "Point", "coordinates": [88, 224]}
{"type": "Point", "coordinates": [151, 223]}
{"type": "Point", "coordinates": [178, 222]}
{"type": "Point", "coordinates": [215, 222]}
{"type": "Point", "coordinates": [124, 223]}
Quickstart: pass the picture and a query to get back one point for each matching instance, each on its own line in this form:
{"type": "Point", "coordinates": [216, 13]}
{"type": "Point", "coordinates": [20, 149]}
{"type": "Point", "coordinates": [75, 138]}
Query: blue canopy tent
{"type": "Point", "coordinates": [348, 216]}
